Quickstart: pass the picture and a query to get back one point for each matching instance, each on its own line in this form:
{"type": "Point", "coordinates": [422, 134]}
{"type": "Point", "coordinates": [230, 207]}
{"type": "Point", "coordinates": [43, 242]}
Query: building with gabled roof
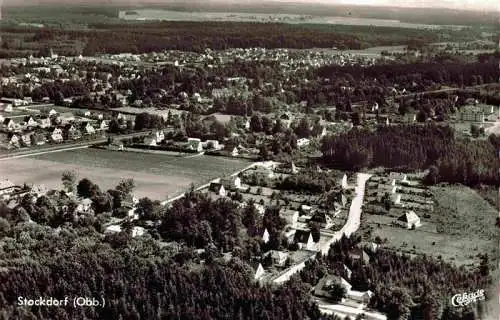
{"type": "Point", "coordinates": [409, 220]}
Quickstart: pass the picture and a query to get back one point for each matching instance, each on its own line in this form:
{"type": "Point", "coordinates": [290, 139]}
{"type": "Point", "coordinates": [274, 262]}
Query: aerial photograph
{"type": "Point", "coordinates": [249, 159]}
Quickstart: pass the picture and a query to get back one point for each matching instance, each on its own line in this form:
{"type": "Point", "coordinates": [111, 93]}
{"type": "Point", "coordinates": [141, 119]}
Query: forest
{"type": "Point", "coordinates": [47, 250]}
{"type": "Point", "coordinates": [138, 37]}
{"type": "Point", "coordinates": [405, 75]}
{"type": "Point", "coordinates": [415, 147]}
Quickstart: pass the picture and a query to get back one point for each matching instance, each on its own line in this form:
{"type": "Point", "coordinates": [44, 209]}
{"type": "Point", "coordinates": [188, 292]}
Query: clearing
{"type": "Point", "coordinates": [156, 176]}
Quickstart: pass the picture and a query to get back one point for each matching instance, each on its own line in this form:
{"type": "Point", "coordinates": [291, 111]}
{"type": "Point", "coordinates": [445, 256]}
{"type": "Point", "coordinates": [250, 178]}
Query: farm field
{"type": "Point", "coordinates": [156, 176]}
{"type": "Point", "coordinates": [169, 15]}
{"type": "Point", "coordinates": [461, 226]}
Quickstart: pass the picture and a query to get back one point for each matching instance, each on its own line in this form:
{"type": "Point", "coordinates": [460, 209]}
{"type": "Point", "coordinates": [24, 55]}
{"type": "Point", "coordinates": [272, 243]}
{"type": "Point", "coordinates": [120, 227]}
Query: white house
{"type": "Point", "coordinates": [278, 257]}
{"type": "Point", "coordinates": [159, 135]}
{"type": "Point", "coordinates": [344, 182]}
{"type": "Point", "coordinates": [84, 206]}
{"type": "Point", "coordinates": [265, 236]}
{"type": "Point", "coordinates": [150, 140]}
{"type": "Point", "coordinates": [235, 152]}
{"type": "Point", "coordinates": [396, 198]}
{"type": "Point", "coordinates": [56, 135]}
{"type": "Point", "coordinates": [259, 272]}
{"type": "Point", "coordinates": [305, 240]}
{"type": "Point", "coordinates": [232, 182]}
{"type": "Point", "coordinates": [302, 142]}
{"type": "Point", "coordinates": [218, 188]}
{"type": "Point", "coordinates": [195, 144]}
{"type": "Point", "coordinates": [409, 220]}
{"type": "Point", "coordinates": [212, 144]}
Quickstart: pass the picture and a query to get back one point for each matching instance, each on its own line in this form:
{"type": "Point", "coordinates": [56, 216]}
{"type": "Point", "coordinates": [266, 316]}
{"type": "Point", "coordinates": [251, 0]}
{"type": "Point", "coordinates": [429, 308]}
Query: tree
{"type": "Point", "coordinates": [126, 186]}
{"type": "Point", "coordinates": [337, 292]}
{"type": "Point", "coordinates": [69, 180]}
{"type": "Point", "coordinates": [264, 152]}
{"type": "Point", "coordinates": [87, 189]}
{"type": "Point", "coordinates": [148, 209]}
{"type": "Point", "coordinates": [256, 123]}
{"type": "Point", "coordinates": [356, 119]}
{"type": "Point", "coordinates": [432, 176]}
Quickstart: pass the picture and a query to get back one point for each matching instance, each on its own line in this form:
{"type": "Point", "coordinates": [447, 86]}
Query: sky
{"type": "Point", "coordinates": [489, 5]}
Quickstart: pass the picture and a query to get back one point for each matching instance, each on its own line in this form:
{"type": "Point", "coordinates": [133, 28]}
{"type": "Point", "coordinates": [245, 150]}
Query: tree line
{"type": "Point", "coordinates": [415, 147]}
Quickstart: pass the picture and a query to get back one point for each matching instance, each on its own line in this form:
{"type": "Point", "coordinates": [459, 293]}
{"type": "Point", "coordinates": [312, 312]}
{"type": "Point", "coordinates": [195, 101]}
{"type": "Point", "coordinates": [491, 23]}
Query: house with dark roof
{"type": "Point", "coordinates": [409, 220]}
{"type": "Point", "coordinates": [29, 121]}
{"type": "Point", "coordinates": [218, 188]}
{"type": "Point", "coordinates": [322, 288]}
{"type": "Point", "coordinates": [359, 255]}
{"type": "Point", "coordinates": [305, 240]}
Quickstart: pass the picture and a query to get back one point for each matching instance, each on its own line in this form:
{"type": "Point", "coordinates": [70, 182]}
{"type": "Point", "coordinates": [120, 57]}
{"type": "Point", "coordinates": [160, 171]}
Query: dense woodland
{"type": "Point", "coordinates": [138, 281]}
{"type": "Point", "coordinates": [404, 287]}
{"type": "Point", "coordinates": [405, 75]}
{"type": "Point", "coordinates": [415, 147]}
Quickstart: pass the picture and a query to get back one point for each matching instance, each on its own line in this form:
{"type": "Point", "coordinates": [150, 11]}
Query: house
{"type": "Point", "coordinates": [26, 139]}
{"type": "Point", "coordinates": [235, 152]}
{"type": "Point", "coordinates": [396, 198]}
{"type": "Point", "coordinates": [70, 132]}
{"type": "Point", "coordinates": [259, 272]}
{"type": "Point", "coordinates": [30, 122]}
{"type": "Point", "coordinates": [322, 288]}
{"type": "Point", "coordinates": [359, 255]}
{"type": "Point", "coordinates": [290, 216]}
{"type": "Point", "coordinates": [150, 140]}
{"type": "Point", "coordinates": [323, 219]}
{"type": "Point", "coordinates": [56, 135]}
{"type": "Point", "coordinates": [9, 124]}
{"type": "Point", "coordinates": [218, 188]}
{"type": "Point", "coordinates": [194, 144]}
{"type": "Point", "coordinates": [347, 272]}
{"type": "Point", "coordinates": [265, 236]}
{"type": "Point", "coordinates": [397, 176]}
{"type": "Point", "coordinates": [278, 257]}
{"type": "Point", "coordinates": [233, 182]}
{"type": "Point", "coordinates": [87, 128]}
{"type": "Point", "coordinates": [409, 220]}
{"type": "Point", "coordinates": [302, 142]}
{"type": "Point", "coordinates": [305, 240]}
{"type": "Point", "coordinates": [360, 296]}
{"type": "Point", "coordinates": [13, 141]}
{"type": "Point", "coordinates": [159, 135]}
{"type": "Point", "coordinates": [8, 108]}
{"type": "Point", "coordinates": [38, 138]}
{"type": "Point", "coordinates": [103, 125]}
{"type": "Point", "coordinates": [85, 206]}
{"type": "Point", "coordinates": [212, 144]}
{"type": "Point", "coordinates": [44, 122]}
{"type": "Point", "coordinates": [52, 113]}
{"type": "Point", "coordinates": [343, 182]}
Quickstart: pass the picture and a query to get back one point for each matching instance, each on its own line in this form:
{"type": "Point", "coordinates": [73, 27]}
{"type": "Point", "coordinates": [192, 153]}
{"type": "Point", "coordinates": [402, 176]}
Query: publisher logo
{"type": "Point", "coordinates": [464, 299]}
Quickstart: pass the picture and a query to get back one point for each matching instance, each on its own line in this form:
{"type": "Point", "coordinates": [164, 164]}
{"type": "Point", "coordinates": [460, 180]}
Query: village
{"type": "Point", "coordinates": [299, 191]}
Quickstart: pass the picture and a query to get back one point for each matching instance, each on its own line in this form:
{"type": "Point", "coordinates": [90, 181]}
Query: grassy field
{"type": "Point", "coordinates": [461, 227]}
{"type": "Point", "coordinates": [156, 176]}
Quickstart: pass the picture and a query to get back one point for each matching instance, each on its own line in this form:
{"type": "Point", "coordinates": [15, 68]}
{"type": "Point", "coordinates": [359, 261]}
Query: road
{"type": "Point", "coordinates": [353, 220]}
{"type": "Point", "coordinates": [27, 152]}
{"type": "Point", "coordinates": [442, 90]}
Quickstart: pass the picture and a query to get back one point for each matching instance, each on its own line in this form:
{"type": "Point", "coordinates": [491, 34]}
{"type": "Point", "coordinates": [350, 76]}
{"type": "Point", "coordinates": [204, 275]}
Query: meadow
{"type": "Point", "coordinates": [156, 176]}
{"type": "Point", "coordinates": [461, 226]}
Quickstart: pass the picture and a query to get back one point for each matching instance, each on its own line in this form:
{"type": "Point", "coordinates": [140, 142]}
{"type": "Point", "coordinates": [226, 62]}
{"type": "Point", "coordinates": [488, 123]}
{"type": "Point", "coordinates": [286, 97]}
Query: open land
{"type": "Point", "coordinates": [169, 15]}
{"type": "Point", "coordinates": [461, 226]}
{"type": "Point", "coordinates": [156, 176]}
